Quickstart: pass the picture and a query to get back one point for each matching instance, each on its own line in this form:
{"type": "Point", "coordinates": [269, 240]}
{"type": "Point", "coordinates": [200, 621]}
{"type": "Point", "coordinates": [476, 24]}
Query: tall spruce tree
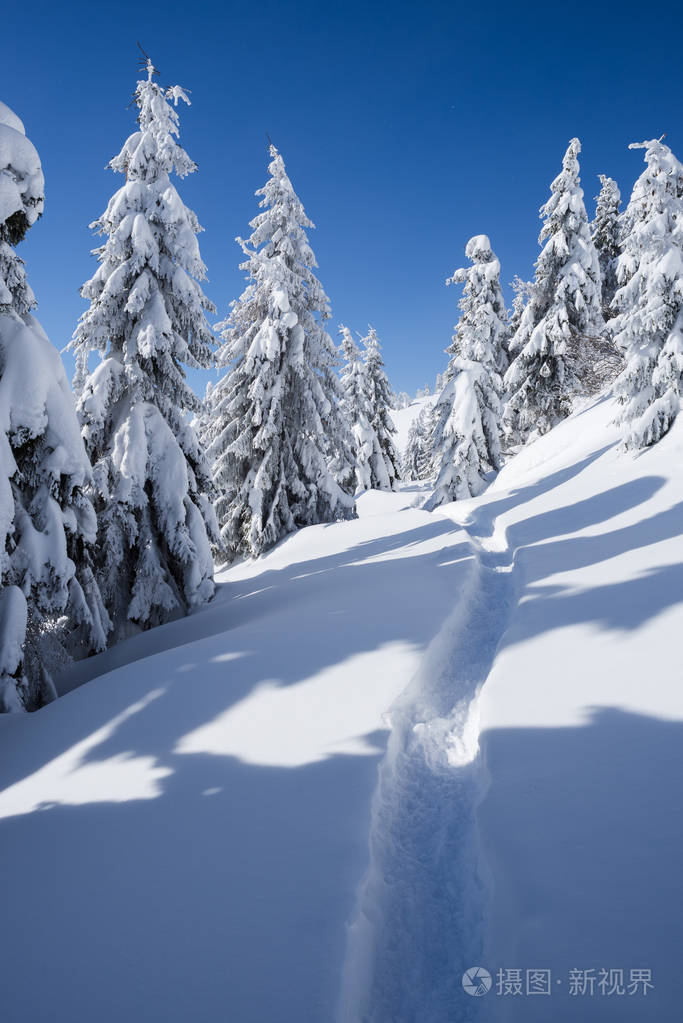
{"type": "Point", "coordinates": [50, 606]}
{"type": "Point", "coordinates": [551, 348]}
{"type": "Point", "coordinates": [386, 470]}
{"type": "Point", "coordinates": [648, 327]}
{"type": "Point", "coordinates": [606, 233]}
{"type": "Point", "coordinates": [371, 470]}
{"type": "Point", "coordinates": [466, 423]}
{"type": "Point", "coordinates": [357, 411]}
{"type": "Point", "coordinates": [417, 457]}
{"type": "Point", "coordinates": [280, 438]}
{"type": "Point", "coordinates": [521, 293]}
{"type": "Point", "coordinates": [147, 321]}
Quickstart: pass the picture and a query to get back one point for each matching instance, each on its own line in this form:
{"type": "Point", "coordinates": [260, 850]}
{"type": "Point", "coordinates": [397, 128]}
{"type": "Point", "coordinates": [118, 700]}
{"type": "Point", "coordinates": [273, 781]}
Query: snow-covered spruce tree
{"type": "Point", "coordinates": [280, 434]}
{"type": "Point", "coordinates": [466, 424]}
{"type": "Point", "coordinates": [202, 419]}
{"type": "Point", "coordinates": [371, 469]}
{"type": "Point", "coordinates": [417, 457]}
{"type": "Point", "coordinates": [648, 327]}
{"type": "Point", "coordinates": [606, 232]}
{"type": "Point", "coordinates": [551, 349]}
{"type": "Point", "coordinates": [50, 606]}
{"type": "Point", "coordinates": [386, 471]}
{"type": "Point", "coordinates": [357, 412]}
{"type": "Point", "coordinates": [147, 321]}
{"type": "Point", "coordinates": [521, 292]}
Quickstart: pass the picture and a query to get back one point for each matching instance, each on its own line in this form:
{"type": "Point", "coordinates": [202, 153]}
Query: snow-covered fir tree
{"type": "Point", "coordinates": [402, 400]}
{"type": "Point", "coordinates": [466, 419]}
{"type": "Point", "coordinates": [649, 323]}
{"type": "Point", "coordinates": [201, 421]}
{"type": "Point", "coordinates": [521, 291]}
{"type": "Point", "coordinates": [385, 471]}
{"type": "Point", "coordinates": [343, 458]}
{"type": "Point", "coordinates": [358, 414]}
{"type": "Point", "coordinates": [281, 444]}
{"type": "Point", "coordinates": [417, 457]}
{"type": "Point", "coordinates": [551, 349]}
{"type": "Point", "coordinates": [147, 321]}
{"type": "Point", "coordinates": [50, 606]}
{"type": "Point", "coordinates": [606, 233]}
{"type": "Point", "coordinates": [371, 468]}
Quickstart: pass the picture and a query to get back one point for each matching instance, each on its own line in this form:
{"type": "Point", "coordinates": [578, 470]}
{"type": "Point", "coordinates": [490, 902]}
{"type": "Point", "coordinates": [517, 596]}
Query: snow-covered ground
{"type": "Point", "coordinates": [203, 824]}
{"type": "Point", "coordinates": [195, 823]}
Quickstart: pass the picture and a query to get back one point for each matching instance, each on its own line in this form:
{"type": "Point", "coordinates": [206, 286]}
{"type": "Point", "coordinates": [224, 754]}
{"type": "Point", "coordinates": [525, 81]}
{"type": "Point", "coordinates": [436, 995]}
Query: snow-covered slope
{"type": "Point", "coordinates": [581, 722]}
{"type": "Point", "coordinates": [404, 418]}
{"type": "Point", "coordinates": [195, 823]}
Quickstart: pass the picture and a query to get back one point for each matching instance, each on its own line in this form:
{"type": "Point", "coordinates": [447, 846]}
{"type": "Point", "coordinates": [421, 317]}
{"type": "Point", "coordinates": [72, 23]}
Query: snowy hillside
{"type": "Point", "coordinates": [405, 417]}
{"type": "Point", "coordinates": [204, 827]}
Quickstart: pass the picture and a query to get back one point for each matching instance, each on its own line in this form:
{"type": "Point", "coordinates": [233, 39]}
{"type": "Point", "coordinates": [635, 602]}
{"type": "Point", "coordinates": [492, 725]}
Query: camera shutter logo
{"type": "Point", "coordinates": [476, 981]}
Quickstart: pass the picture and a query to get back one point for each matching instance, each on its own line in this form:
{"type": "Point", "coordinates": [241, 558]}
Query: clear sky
{"type": "Point", "coordinates": [405, 127]}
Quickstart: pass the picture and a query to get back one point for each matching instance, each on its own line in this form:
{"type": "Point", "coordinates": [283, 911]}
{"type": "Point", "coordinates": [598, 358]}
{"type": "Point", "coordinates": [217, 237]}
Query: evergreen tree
{"type": "Point", "coordinates": [521, 292]}
{"type": "Point", "coordinates": [551, 348]}
{"type": "Point", "coordinates": [357, 411]}
{"type": "Point", "coordinates": [385, 471]}
{"type": "Point", "coordinates": [605, 230]}
{"type": "Point", "coordinates": [147, 321]}
{"type": "Point", "coordinates": [371, 471]}
{"type": "Point", "coordinates": [648, 327]}
{"type": "Point", "coordinates": [279, 428]}
{"type": "Point", "coordinates": [203, 417]}
{"type": "Point", "coordinates": [417, 460]}
{"type": "Point", "coordinates": [343, 461]}
{"type": "Point", "coordinates": [50, 606]}
{"type": "Point", "coordinates": [466, 427]}
{"type": "Point", "coordinates": [402, 400]}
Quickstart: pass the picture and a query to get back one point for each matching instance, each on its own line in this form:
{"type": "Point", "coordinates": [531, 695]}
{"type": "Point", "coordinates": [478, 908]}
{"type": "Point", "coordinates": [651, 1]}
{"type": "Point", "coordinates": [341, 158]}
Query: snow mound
{"type": "Point", "coordinates": [22, 185]}
{"type": "Point", "coordinates": [10, 119]}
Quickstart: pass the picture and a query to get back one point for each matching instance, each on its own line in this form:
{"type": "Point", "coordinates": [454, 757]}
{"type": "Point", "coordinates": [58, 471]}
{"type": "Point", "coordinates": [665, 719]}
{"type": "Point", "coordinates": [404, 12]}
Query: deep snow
{"type": "Point", "coordinates": [195, 823]}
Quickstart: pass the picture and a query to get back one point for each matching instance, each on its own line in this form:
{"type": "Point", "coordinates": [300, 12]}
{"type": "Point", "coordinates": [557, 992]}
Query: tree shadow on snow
{"type": "Point", "coordinates": [582, 831]}
{"type": "Point", "coordinates": [215, 889]}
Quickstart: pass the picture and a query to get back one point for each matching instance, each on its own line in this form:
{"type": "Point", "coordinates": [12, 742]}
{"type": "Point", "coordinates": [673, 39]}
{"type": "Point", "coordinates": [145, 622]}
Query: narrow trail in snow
{"type": "Point", "coordinates": [420, 910]}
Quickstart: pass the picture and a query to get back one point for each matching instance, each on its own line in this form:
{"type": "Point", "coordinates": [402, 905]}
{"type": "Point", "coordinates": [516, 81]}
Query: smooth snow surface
{"type": "Point", "coordinates": [203, 826]}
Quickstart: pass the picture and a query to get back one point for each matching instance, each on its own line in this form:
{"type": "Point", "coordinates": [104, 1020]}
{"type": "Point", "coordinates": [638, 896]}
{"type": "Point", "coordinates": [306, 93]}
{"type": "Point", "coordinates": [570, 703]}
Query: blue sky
{"type": "Point", "coordinates": [406, 128]}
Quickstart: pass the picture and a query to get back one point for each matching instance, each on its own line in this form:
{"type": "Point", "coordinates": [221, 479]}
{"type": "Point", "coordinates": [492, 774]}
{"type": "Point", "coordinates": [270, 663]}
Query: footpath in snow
{"type": "Point", "coordinates": [537, 826]}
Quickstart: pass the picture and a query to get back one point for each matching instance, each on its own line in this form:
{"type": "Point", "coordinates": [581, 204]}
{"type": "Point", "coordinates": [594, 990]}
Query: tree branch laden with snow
{"type": "Point", "coordinates": [279, 442]}
{"type": "Point", "coordinates": [147, 321]}
{"type": "Point", "coordinates": [50, 605]}
{"type": "Point", "coordinates": [565, 304]}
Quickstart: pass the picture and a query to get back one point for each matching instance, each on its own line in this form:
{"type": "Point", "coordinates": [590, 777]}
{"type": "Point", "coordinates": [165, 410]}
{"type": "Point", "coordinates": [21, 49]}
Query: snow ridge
{"type": "Point", "coordinates": [419, 920]}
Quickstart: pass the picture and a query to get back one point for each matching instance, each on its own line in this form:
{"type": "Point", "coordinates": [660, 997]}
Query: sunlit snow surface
{"type": "Point", "coordinates": [186, 836]}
